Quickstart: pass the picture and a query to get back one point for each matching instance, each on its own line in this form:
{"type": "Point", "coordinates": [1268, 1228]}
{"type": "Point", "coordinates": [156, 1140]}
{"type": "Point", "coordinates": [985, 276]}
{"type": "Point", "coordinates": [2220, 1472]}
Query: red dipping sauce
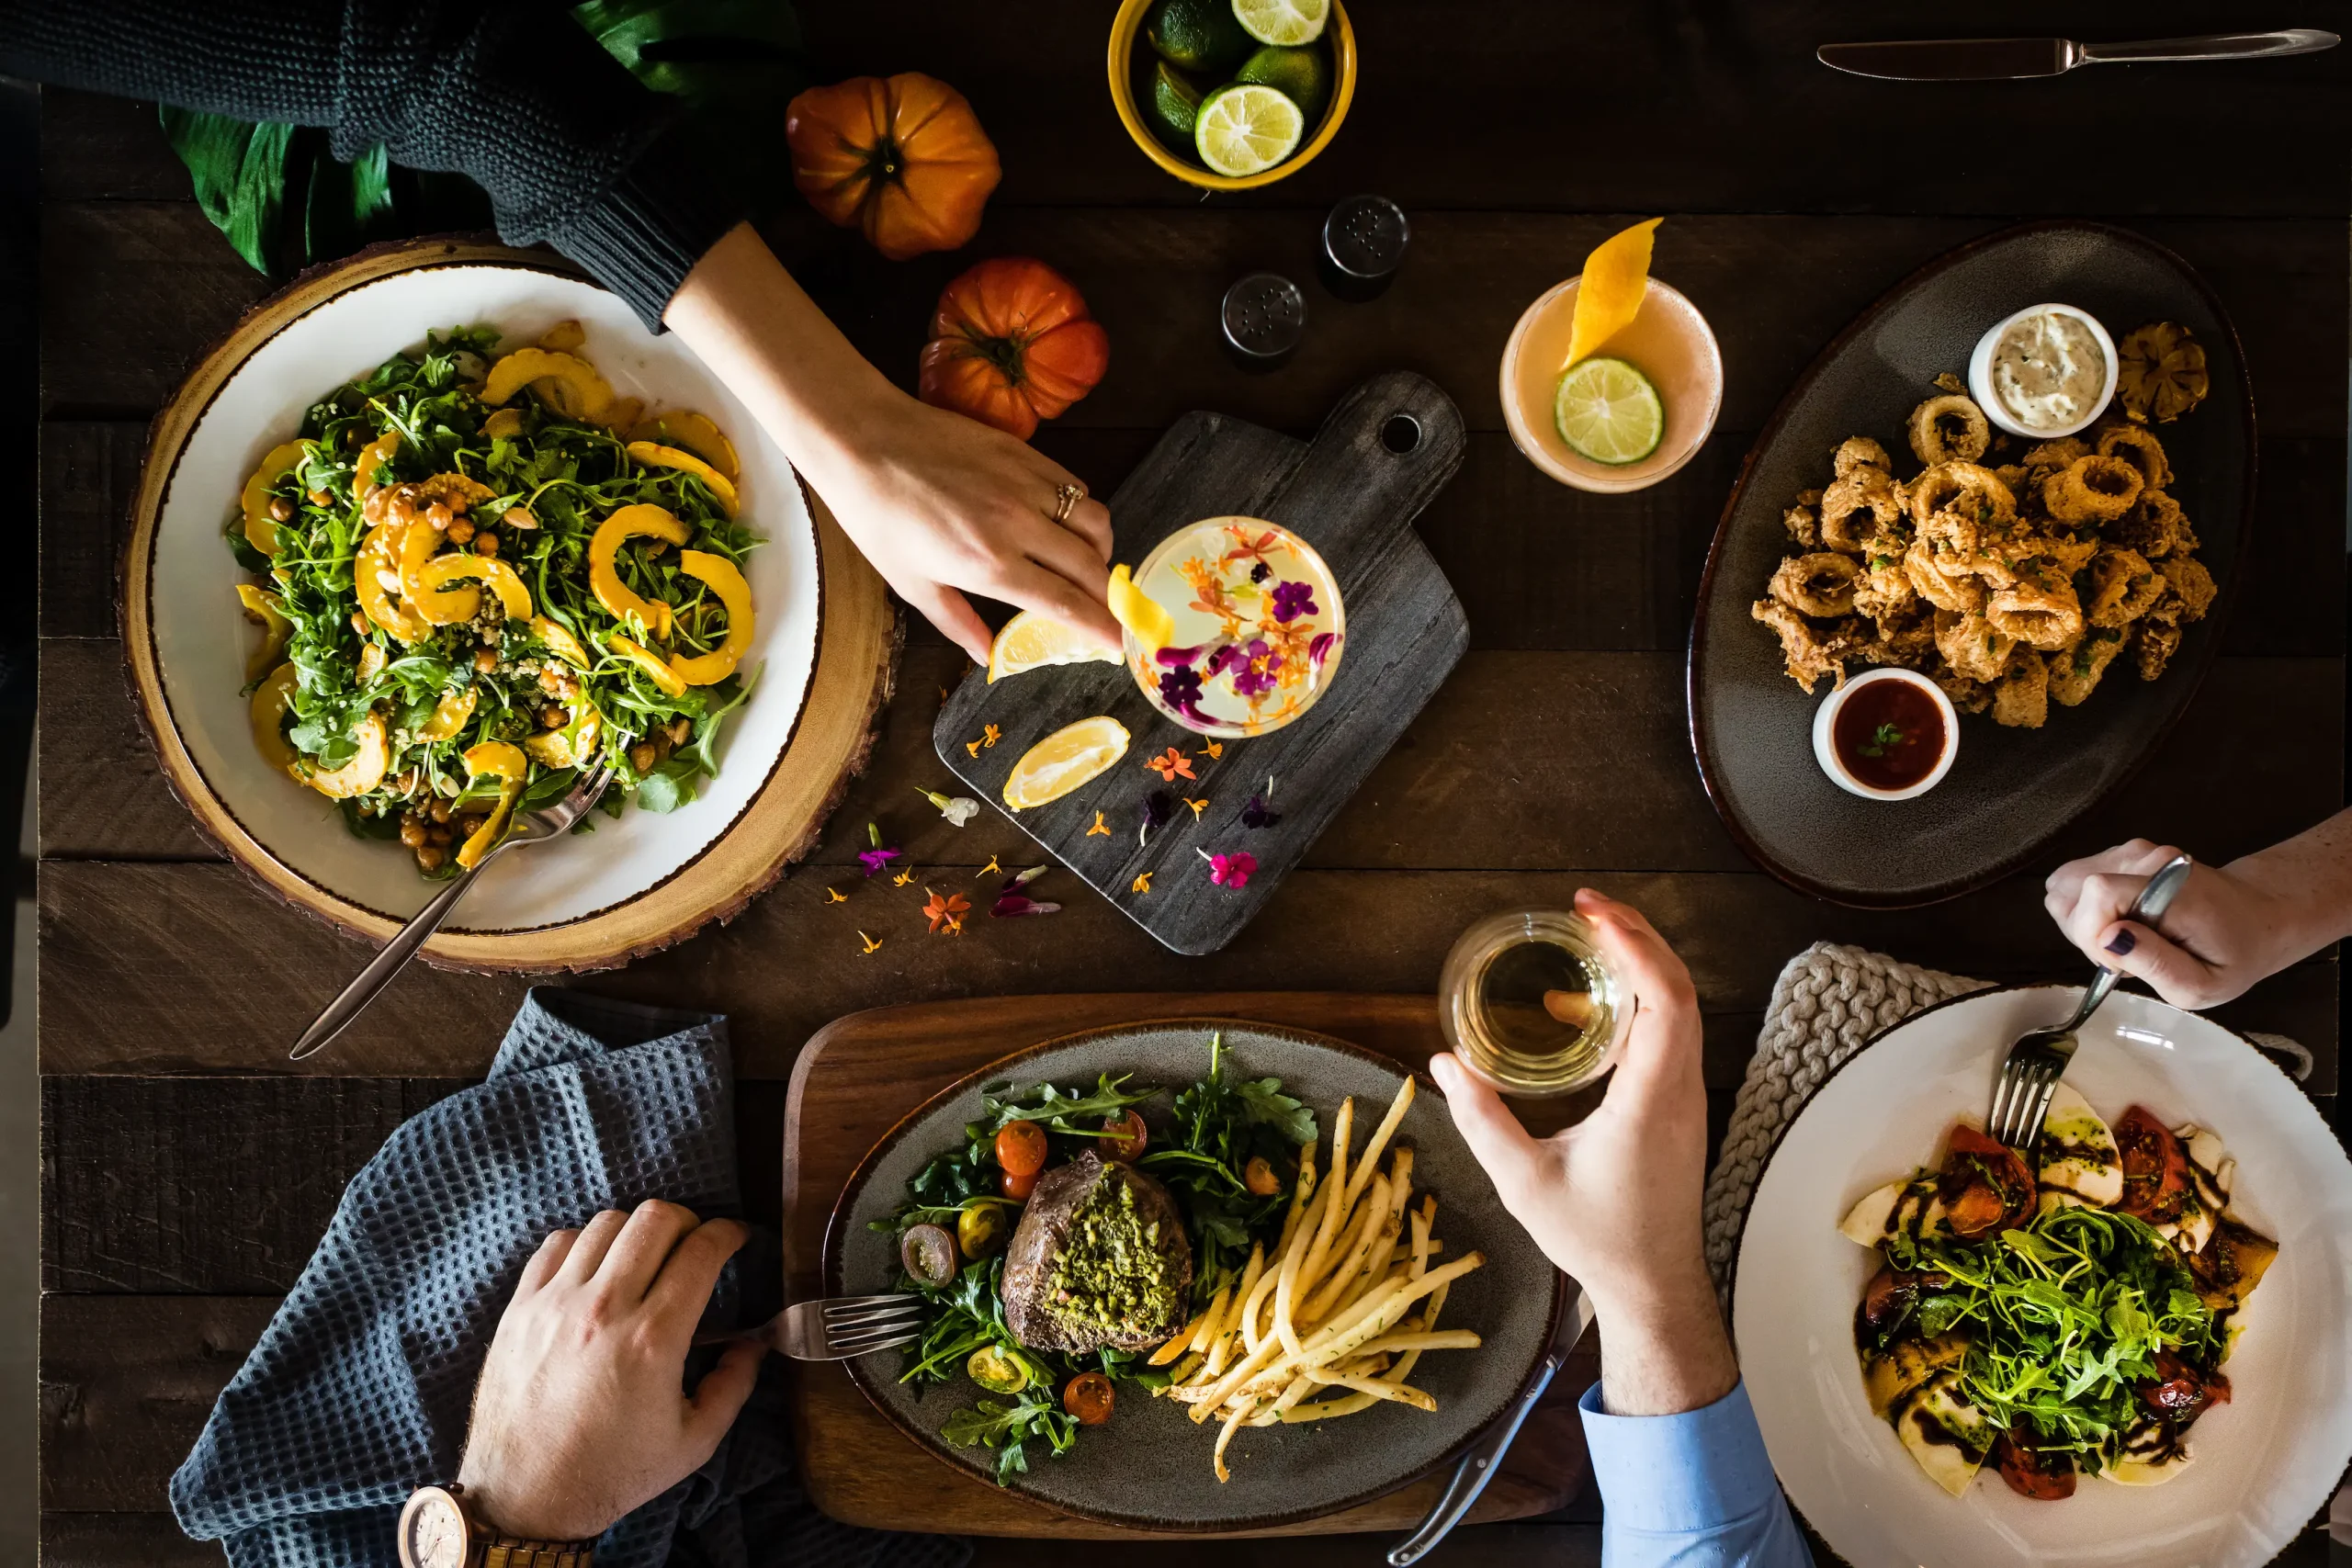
{"type": "Point", "coordinates": [1888, 734]}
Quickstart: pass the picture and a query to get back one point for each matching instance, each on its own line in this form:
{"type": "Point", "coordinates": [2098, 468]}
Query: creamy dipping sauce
{"type": "Point", "coordinates": [2049, 370]}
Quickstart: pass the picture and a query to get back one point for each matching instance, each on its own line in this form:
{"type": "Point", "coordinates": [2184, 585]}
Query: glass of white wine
{"type": "Point", "coordinates": [1529, 1003]}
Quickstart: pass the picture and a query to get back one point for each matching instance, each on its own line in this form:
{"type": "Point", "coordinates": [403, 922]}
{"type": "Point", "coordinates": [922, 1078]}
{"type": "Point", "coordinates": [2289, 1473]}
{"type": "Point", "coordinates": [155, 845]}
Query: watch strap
{"type": "Point", "coordinates": [511, 1551]}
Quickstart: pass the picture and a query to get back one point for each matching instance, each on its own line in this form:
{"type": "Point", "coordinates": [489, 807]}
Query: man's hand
{"type": "Point", "coordinates": [580, 1416]}
{"type": "Point", "coordinates": [2230, 926]}
{"type": "Point", "coordinates": [1614, 1200]}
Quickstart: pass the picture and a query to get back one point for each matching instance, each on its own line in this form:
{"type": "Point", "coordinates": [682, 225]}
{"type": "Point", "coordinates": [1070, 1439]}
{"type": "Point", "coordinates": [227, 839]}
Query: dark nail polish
{"type": "Point", "coordinates": [2123, 942]}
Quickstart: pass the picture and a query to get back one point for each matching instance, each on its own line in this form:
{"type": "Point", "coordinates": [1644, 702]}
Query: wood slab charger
{"type": "Point", "coordinates": [857, 654]}
{"type": "Point", "coordinates": [1352, 493]}
{"type": "Point", "coordinates": [859, 1075]}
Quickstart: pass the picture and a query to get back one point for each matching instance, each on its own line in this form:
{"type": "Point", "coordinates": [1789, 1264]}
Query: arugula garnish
{"type": "Point", "coordinates": [1221, 1126]}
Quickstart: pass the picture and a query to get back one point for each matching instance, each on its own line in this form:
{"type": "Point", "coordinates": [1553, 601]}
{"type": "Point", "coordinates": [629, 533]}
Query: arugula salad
{"type": "Point", "coordinates": [981, 1221]}
{"type": "Point", "coordinates": [478, 575]}
{"type": "Point", "coordinates": [2065, 1318]}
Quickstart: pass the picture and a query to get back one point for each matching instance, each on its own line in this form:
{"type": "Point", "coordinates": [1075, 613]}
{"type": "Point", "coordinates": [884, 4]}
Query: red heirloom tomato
{"type": "Point", "coordinates": [1011, 345]}
{"type": "Point", "coordinates": [1089, 1396]}
{"type": "Point", "coordinates": [903, 159]}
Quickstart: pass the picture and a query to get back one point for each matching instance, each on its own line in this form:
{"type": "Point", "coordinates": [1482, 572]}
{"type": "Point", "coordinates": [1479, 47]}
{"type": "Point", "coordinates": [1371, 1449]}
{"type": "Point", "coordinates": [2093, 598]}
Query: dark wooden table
{"type": "Point", "coordinates": [188, 1169]}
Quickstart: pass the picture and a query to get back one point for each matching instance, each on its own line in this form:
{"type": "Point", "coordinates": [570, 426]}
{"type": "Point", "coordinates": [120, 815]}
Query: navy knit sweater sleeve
{"type": "Point", "coordinates": [572, 149]}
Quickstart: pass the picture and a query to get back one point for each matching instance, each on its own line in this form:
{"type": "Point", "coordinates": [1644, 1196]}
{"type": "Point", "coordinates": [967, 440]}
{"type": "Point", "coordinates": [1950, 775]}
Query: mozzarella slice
{"type": "Point", "coordinates": [1946, 1435]}
{"type": "Point", "coordinates": [2148, 1456]}
{"type": "Point", "coordinates": [2080, 1162]}
{"type": "Point", "coordinates": [1900, 1208]}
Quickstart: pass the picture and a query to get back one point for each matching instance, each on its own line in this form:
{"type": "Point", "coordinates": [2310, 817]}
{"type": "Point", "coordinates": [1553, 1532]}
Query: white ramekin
{"type": "Point", "coordinates": [1980, 373]}
{"type": "Point", "coordinates": [1825, 745]}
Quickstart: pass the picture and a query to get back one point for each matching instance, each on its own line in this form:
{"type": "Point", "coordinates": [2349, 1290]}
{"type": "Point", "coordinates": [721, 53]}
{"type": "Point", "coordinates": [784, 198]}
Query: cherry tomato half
{"type": "Point", "coordinates": [1021, 1148]}
{"type": "Point", "coordinates": [979, 1230]}
{"type": "Point", "coordinates": [1124, 1135]}
{"type": "Point", "coordinates": [1260, 1177]}
{"type": "Point", "coordinates": [2155, 1169]}
{"type": "Point", "coordinates": [928, 1254]}
{"type": "Point", "coordinates": [1016, 1187]}
{"type": "Point", "coordinates": [1089, 1397]}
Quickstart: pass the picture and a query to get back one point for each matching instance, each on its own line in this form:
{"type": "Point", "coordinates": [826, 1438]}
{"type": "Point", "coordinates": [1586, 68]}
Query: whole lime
{"type": "Point", "coordinates": [1175, 103]}
{"type": "Point", "coordinates": [1197, 35]}
{"type": "Point", "coordinates": [1303, 76]}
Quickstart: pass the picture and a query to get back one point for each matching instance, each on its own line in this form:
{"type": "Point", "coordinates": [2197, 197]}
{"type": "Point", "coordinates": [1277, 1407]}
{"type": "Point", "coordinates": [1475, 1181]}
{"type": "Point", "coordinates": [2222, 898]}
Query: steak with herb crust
{"type": "Point", "coordinates": [1100, 1258]}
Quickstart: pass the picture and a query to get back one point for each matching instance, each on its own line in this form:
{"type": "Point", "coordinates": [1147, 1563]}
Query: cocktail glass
{"type": "Point", "coordinates": [1258, 627]}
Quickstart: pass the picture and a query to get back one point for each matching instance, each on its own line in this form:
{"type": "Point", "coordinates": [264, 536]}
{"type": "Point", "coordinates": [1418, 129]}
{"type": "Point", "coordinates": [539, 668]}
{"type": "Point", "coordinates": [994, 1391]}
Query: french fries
{"type": "Point", "coordinates": [1326, 1312]}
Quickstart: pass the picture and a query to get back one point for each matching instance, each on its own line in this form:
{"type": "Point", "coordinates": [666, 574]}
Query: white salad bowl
{"type": "Point", "coordinates": [552, 905]}
{"type": "Point", "coordinates": [2263, 1463]}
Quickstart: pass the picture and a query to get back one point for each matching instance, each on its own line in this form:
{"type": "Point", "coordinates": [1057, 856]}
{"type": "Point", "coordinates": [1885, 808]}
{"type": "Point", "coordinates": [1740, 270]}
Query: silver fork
{"type": "Point", "coordinates": [2030, 1073]}
{"type": "Point", "coordinates": [835, 1328]}
{"type": "Point", "coordinates": [528, 827]}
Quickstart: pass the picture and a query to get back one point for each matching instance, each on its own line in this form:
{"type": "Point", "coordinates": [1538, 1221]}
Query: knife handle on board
{"type": "Point", "coordinates": [2215, 45]}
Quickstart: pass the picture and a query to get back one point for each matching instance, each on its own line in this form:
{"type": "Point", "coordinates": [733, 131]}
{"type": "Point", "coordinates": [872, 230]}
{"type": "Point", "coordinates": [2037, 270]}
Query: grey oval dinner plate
{"type": "Point", "coordinates": [2009, 791]}
{"type": "Point", "coordinates": [1148, 1467]}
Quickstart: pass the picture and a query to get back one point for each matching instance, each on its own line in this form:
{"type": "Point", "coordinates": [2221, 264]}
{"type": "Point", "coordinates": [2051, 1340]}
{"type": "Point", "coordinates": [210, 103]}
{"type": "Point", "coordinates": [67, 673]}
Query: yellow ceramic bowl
{"type": "Point", "coordinates": [1124, 31]}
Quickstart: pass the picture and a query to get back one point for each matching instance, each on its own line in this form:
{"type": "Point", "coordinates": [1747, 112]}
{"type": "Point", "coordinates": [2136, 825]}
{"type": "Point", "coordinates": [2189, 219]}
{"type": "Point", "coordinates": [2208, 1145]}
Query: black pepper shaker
{"type": "Point", "coordinates": [1262, 318]}
{"type": "Point", "coordinates": [1364, 242]}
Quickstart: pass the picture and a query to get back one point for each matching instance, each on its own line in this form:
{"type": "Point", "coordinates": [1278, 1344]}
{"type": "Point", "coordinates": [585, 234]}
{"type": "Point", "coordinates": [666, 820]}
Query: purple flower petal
{"type": "Point", "coordinates": [1257, 814]}
{"type": "Point", "coordinates": [1178, 655]}
{"type": "Point", "coordinates": [1293, 600]}
{"type": "Point", "coordinates": [1320, 648]}
{"type": "Point", "coordinates": [1180, 689]}
{"type": "Point", "coordinates": [1224, 659]}
{"type": "Point", "coordinates": [1012, 905]}
{"type": "Point", "coordinates": [876, 860]}
{"type": "Point", "coordinates": [1158, 807]}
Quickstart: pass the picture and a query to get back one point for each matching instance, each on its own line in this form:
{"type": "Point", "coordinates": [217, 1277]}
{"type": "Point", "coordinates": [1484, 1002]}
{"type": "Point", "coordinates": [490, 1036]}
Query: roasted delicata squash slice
{"type": "Point", "coordinates": [360, 774]}
{"type": "Point", "coordinates": [432, 605]}
{"type": "Point", "coordinates": [366, 469]}
{"type": "Point", "coordinates": [559, 640]}
{"type": "Point", "coordinates": [261, 528]}
{"type": "Point", "coordinates": [726, 580]}
{"type": "Point", "coordinates": [641, 521]}
{"type": "Point", "coordinates": [270, 701]}
{"type": "Point", "coordinates": [570, 385]}
{"type": "Point", "coordinates": [690, 432]}
{"type": "Point", "coordinates": [656, 669]}
{"type": "Point", "coordinates": [449, 715]}
{"type": "Point", "coordinates": [720, 486]}
{"type": "Point", "coordinates": [265, 610]}
{"type": "Point", "coordinates": [506, 763]}
{"type": "Point", "coordinates": [572, 746]}
{"type": "Point", "coordinates": [372, 573]}
{"type": "Point", "coordinates": [514, 596]}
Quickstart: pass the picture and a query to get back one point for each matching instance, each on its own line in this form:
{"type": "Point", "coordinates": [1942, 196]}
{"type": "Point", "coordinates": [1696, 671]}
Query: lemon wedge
{"type": "Point", "coordinates": [1609, 293]}
{"type": "Point", "coordinates": [1032, 642]}
{"type": "Point", "coordinates": [1065, 760]}
{"type": "Point", "coordinates": [1139, 613]}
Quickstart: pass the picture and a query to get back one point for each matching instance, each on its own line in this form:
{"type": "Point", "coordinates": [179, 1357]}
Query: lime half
{"type": "Point", "coordinates": [1608, 410]}
{"type": "Point", "coordinates": [1290, 22]}
{"type": "Point", "coordinates": [1247, 130]}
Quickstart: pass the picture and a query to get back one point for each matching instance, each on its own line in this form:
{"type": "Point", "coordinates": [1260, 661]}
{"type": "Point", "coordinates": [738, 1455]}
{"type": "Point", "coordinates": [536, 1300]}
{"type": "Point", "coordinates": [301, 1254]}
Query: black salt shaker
{"type": "Point", "coordinates": [1262, 318]}
{"type": "Point", "coordinates": [1364, 242]}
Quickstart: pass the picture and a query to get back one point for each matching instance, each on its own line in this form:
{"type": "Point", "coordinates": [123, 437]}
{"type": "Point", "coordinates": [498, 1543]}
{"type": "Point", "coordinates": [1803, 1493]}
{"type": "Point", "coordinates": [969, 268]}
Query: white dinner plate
{"type": "Point", "coordinates": [200, 638]}
{"type": "Point", "coordinates": [2263, 1463]}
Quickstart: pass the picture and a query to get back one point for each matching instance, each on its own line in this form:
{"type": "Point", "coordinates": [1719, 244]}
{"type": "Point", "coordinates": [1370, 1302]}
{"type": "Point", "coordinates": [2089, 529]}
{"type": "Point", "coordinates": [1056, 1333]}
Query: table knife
{"type": "Point", "coordinates": [1485, 1455]}
{"type": "Point", "coordinates": [2005, 59]}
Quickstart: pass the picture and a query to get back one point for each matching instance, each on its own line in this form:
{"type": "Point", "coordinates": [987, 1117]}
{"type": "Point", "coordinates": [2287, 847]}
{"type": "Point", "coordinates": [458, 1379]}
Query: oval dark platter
{"type": "Point", "coordinates": [2010, 791]}
{"type": "Point", "coordinates": [1149, 1466]}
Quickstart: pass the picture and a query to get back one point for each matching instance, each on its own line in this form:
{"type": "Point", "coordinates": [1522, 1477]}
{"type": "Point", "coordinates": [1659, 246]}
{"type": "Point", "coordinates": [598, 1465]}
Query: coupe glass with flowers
{"type": "Point", "coordinates": [1257, 627]}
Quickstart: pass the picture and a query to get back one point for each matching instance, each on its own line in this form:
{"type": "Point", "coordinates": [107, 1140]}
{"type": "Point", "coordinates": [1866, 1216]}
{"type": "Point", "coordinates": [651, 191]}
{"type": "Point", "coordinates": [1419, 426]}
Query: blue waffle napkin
{"type": "Point", "coordinates": [360, 1387]}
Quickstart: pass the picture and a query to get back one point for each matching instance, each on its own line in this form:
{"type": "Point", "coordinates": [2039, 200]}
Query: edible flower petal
{"type": "Point", "coordinates": [1171, 765]}
{"type": "Point", "coordinates": [881, 855]}
{"type": "Point", "coordinates": [1172, 656]}
{"type": "Point", "coordinates": [1198, 806]}
{"type": "Point", "coordinates": [1320, 648]}
{"type": "Point", "coordinates": [1231, 871]}
{"type": "Point", "coordinates": [991, 735]}
{"type": "Point", "coordinates": [903, 877]}
{"type": "Point", "coordinates": [1023, 878]}
{"type": "Point", "coordinates": [835, 895]}
{"type": "Point", "coordinates": [958, 809]}
{"type": "Point", "coordinates": [871, 943]}
{"type": "Point", "coordinates": [988, 868]}
{"type": "Point", "coordinates": [1142, 883]}
{"type": "Point", "coordinates": [1216, 748]}
{"type": "Point", "coordinates": [1011, 905]}
{"type": "Point", "coordinates": [1100, 829]}
{"type": "Point", "coordinates": [1257, 815]}
{"type": "Point", "coordinates": [1181, 687]}
{"type": "Point", "coordinates": [945, 913]}
{"type": "Point", "coordinates": [1293, 600]}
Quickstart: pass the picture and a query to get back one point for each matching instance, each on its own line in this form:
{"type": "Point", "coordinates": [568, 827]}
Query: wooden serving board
{"type": "Point", "coordinates": [859, 1075]}
{"type": "Point", "coordinates": [1352, 493]}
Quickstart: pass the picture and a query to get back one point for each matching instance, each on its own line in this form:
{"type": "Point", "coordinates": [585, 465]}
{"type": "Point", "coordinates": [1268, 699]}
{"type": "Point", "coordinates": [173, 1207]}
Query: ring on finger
{"type": "Point", "coordinates": [1066, 498]}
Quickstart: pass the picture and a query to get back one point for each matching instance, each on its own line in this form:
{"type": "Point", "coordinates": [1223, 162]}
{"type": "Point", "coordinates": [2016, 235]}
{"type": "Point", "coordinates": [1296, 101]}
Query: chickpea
{"type": "Point", "coordinates": [404, 783]}
{"type": "Point", "coordinates": [486, 660]}
{"type": "Point", "coordinates": [485, 544]}
{"type": "Point", "coordinates": [280, 509]}
{"type": "Point", "coordinates": [322, 499]}
{"type": "Point", "coordinates": [553, 717]}
{"type": "Point", "coordinates": [458, 528]}
{"type": "Point", "coordinates": [642, 757]}
{"type": "Point", "coordinates": [429, 857]}
{"type": "Point", "coordinates": [440, 834]}
{"type": "Point", "coordinates": [412, 831]}
{"type": "Point", "coordinates": [440, 516]}
{"type": "Point", "coordinates": [466, 826]}
{"type": "Point", "coordinates": [438, 811]}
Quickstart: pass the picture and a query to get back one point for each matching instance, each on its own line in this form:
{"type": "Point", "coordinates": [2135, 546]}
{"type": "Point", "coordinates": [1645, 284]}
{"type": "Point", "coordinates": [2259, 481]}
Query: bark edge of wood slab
{"type": "Point", "coordinates": [859, 640]}
{"type": "Point", "coordinates": [1352, 493]}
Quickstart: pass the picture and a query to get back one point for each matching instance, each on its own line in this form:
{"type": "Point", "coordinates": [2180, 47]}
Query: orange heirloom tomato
{"type": "Point", "coordinates": [903, 159]}
{"type": "Point", "coordinates": [1011, 345]}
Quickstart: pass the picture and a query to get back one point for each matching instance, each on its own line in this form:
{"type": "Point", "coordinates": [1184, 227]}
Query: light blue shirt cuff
{"type": "Point", "coordinates": [1697, 1472]}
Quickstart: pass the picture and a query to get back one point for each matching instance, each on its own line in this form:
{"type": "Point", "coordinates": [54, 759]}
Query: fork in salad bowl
{"type": "Point", "coordinates": [528, 826]}
{"type": "Point", "coordinates": [2030, 1072]}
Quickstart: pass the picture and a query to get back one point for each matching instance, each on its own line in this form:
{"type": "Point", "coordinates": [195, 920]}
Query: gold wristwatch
{"type": "Point", "coordinates": [439, 1531]}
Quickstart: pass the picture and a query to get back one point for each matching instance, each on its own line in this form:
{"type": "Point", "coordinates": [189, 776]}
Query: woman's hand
{"type": "Point", "coordinates": [579, 1416]}
{"type": "Point", "coordinates": [2228, 927]}
{"type": "Point", "coordinates": [1614, 1200]}
{"type": "Point", "coordinates": [942, 505]}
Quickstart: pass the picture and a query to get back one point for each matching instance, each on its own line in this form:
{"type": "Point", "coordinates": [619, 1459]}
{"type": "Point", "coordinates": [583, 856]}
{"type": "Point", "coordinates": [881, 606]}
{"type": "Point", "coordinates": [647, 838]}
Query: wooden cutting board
{"type": "Point", "coordinates": [1352, 493]}
{"type": "Point", "coordinates": [858, 1075]}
